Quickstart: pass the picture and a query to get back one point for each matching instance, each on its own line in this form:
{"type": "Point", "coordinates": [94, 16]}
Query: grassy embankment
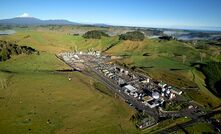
{"type": "Point", "coordinates": [164, 125]}
{"type": "Point", "coordinates": [197, 128]}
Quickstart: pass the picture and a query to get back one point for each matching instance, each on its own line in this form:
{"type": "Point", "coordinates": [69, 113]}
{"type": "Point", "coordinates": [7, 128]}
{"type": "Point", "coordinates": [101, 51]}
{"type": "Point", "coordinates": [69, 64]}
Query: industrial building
{"type": "Point", "coordinates": [138, 86]}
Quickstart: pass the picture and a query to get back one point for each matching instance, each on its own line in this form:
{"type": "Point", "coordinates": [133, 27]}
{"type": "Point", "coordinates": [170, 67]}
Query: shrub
{"type": "Point", "coordinates": [7, 49]}
{"type": "Point", "coordinates": [133, 36]}
{"type": "Point", "coordinates": [95, 34]}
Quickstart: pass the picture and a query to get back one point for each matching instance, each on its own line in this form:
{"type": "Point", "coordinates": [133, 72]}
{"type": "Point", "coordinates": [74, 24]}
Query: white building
{"type": "Point", "coordinates": [130, 88]}
{"type": "Point", "coordinates": [161, 84]}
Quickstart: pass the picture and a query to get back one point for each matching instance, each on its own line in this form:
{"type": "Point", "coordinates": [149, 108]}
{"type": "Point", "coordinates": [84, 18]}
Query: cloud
{"type": "Point", "coordinates": [24, 15]}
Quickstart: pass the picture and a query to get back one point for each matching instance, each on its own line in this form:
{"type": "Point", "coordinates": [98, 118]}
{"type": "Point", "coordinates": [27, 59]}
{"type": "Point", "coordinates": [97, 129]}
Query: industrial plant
{"type": "Point", "coordinates": [138, 90]}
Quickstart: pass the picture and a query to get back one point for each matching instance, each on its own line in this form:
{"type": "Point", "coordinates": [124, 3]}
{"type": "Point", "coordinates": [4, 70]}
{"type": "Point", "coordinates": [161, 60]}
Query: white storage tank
{"type": "Point", "coordinates": [121, 70]}
{"type": "Point", "coordinates": [126, 72]}
{"type": "Point", "coordinates": [163, 89]}
{"type": "Point", "coordinates": [162, 94]}
{"type": "Point", "coordinates": [168, 92]}
{"type": "Point", "coordinates": [155, 95]}
{"type": "Point", "coordinates": [148, 80]}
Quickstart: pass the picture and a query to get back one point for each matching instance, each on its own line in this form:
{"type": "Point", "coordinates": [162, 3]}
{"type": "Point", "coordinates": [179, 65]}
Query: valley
{"type": "Point", "coordinates": [36, 93]}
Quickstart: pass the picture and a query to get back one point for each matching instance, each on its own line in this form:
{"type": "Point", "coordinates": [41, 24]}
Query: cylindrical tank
{"type": "Point", "coordinates": [155, 95]}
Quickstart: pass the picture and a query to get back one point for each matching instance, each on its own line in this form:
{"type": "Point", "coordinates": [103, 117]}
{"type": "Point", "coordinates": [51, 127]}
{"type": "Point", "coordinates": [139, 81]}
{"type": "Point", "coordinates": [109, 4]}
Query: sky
{"type": "Point", "coordinates": [148, 13]}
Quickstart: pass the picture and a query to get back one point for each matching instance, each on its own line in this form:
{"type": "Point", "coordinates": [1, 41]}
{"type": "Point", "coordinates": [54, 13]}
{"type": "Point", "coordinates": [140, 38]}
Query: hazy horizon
{"type": "Point", "coordinates": [182, 14]}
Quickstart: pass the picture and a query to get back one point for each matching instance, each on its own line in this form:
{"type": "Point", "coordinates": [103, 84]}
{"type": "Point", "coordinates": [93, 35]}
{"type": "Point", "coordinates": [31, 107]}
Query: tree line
{"type": "Point", "coordinates": [95, 34]}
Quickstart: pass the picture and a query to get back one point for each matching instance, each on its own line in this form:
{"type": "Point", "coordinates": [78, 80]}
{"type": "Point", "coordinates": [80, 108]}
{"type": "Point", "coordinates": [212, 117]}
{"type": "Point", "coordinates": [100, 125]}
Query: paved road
{"type": "Point", "coordinates": [189, 123]}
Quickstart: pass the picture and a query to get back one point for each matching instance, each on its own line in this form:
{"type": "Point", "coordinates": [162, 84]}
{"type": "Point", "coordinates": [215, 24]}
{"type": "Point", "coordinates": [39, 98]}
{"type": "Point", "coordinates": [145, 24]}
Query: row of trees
{"type": "Point", "coordinates": [8, 49]}
{"type": "Point", "coordinates": [133, 36]}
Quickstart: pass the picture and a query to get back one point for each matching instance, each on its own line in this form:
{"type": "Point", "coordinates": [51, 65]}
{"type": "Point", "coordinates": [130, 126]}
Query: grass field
{"type": "Point", "coordinates": [198, 128]}
{"type": "Point", "coordinates": [36, 99]}
{"type": "Point", "coordinates": [51, 41]}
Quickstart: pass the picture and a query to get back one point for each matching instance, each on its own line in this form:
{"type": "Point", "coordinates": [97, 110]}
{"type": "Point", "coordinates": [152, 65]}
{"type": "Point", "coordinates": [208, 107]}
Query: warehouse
{"type": "Point", "coordinates": [130, 88]}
